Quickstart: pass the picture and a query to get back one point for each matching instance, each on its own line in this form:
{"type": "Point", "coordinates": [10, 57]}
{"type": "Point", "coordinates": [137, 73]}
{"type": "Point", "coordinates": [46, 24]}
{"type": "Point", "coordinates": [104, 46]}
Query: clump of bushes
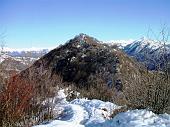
{"type": "Point", "coordinates": [14, 103]}
{"type": "Point", "coordinates": [20, 105]}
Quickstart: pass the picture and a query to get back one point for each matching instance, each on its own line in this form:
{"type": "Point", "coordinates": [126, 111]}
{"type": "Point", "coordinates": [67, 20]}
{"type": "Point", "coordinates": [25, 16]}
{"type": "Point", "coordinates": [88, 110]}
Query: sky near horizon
{"type": "Point", "coordinates": [47, 23]}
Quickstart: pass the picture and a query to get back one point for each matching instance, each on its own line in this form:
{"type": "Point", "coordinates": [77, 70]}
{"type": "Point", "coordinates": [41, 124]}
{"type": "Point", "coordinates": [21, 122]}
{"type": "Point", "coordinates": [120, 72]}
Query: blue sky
{"type": "Point", "coordinates": [46, 23]}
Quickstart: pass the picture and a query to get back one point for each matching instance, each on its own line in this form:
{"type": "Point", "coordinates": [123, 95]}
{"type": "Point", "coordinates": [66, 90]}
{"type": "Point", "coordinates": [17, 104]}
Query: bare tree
{"type": "Point", "coordinates": [159, 88]}
{"type": "Point", "coordinates": [2, 43]}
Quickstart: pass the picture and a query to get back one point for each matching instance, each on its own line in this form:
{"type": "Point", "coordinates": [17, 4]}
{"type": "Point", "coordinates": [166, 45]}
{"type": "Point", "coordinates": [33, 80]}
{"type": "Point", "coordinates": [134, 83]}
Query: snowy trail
{"type": "Point", "coordinates": [73, 116]}
{"type": "Point", "coordinates": [81, 112]}
{"type": "Point", "coordinates": [95, 113]}
{"type": "Point", "coordinates": [88, 113]}
{"type": "Point", "coordinates": [74, 113]}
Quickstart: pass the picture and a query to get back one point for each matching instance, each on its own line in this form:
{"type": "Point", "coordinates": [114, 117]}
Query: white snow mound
{"type": "Point", "coordinates": [95, 113]}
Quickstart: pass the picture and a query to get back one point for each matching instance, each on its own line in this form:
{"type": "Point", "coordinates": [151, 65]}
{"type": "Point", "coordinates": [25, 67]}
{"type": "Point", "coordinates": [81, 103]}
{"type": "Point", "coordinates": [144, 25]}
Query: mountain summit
{"type": "Point", "coordinates": [87, 65]}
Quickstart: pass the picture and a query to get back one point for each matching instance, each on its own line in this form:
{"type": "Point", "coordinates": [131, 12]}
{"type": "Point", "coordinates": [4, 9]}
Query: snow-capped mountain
{"type": "Point", "coordinates": [12, 61]}
{"type": "Point", "coordinates": [120, 43]}
{"type": "Point", "coordinates": [27, 52]}
{"type": "Point", "coordinates": [143, 44]}
{"type": "Point", "coordinates": [24, 56]}
{"type": "Point", "coordinates": [150, 52]}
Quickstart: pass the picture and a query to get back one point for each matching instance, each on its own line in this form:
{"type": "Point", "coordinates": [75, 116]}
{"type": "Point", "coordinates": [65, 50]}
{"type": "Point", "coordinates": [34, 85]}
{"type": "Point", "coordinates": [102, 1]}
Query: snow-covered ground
{"type": "Point", "coordinates": [137, 118]}
{"type": "Point", "coordinates": [95, 113]}
{"type": "Point", "coordinates": [3, 57]}
{"type": "Point", "coordinates": [121, 43]}
{"type": "Point", "coordinates": [36, 49]}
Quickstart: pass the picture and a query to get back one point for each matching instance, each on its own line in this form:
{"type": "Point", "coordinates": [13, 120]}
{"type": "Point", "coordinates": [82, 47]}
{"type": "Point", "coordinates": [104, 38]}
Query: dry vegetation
{"type": "Point", "coordinates": [23, 103]}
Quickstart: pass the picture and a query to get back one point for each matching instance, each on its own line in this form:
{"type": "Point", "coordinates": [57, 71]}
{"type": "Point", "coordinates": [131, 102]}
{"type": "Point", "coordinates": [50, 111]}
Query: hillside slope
{"type": "Point", "coordinates": [89, 66]}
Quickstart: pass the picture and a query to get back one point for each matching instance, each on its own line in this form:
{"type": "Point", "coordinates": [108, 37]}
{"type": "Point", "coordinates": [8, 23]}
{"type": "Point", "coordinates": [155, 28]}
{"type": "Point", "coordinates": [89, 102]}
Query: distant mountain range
{"type": "Point", "coordinates": [32, 52]}
{"type": "Point", "coordinates": [149, 52]}
{"type": "Point", "coordinates": [12, 61]}
{"type": "Point", "coordinates": [23, 56]}
{"type": "Point", "coordinates": [153, 54]}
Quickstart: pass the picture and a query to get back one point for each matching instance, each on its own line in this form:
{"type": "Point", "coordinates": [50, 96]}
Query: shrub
{"type": "Point", "coordinates": [15, 103]}
{"type": "Point", "coordinates": [21, 105]}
